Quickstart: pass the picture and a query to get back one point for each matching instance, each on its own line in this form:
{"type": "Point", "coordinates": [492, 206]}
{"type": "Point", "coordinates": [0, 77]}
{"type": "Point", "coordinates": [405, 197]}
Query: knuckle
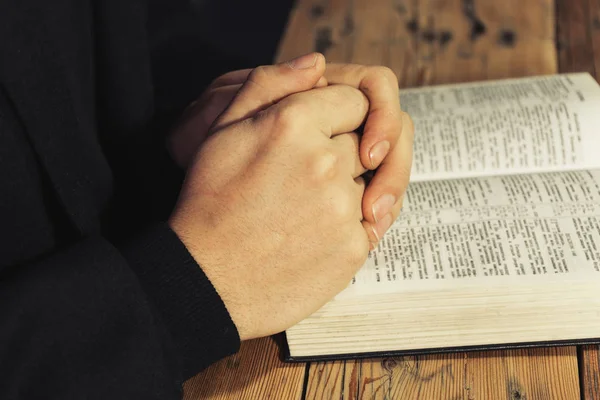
{"type": "Point", "coordinates": [358, 251]}
{"type": "Point", "coordinates": [297, 109]}
{"type": "Point", "coordinates": [358, 99]}
{"type": "Point", "coordinates": [387, 74]}
{"type": "Point", "coordinates": [342, 206]}
{"type": "Point", "coordinates": [258, 74]}
{"type": "Point", "coordinates": [323, 166]}
{"type": "Point", "coordinates": [351, 98]}
{"type": "Point", "coordinates": [288, 115]}
{"type": "Point", "coordinates": [259, 78]}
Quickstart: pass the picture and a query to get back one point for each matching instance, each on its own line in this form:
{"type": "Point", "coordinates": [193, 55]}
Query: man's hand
{"type": "Point", "coordinates": [387, 142]}
{"type": "Point", "coordinates": [186, 138]}
{"type": "Point", "coordinates": [271, 207]}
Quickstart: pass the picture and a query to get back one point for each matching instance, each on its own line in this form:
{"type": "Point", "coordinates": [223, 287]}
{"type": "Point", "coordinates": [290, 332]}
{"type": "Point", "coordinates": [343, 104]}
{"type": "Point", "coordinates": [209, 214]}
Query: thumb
{"type": "Point", "coordinates": [267, 85]}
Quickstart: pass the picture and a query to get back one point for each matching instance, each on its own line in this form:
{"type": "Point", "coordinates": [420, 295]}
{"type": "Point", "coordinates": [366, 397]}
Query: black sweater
{"type": "Point", "coordinates": [98, 297]}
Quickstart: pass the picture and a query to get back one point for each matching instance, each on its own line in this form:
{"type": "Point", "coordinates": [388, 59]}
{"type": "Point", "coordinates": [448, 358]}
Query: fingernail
{"type": "Point", "coordinates": [382, 206]}
{"type": "Point", "coordinates": [375, 233]}
{"type": "Point", "coordinates": [383, 225]}
{"type": "Point", "coordinates": [304, 62]}
{"type": "Point", "coordinates": [373, 245]}
{"type": "Point", "coordinates": [378, 153]}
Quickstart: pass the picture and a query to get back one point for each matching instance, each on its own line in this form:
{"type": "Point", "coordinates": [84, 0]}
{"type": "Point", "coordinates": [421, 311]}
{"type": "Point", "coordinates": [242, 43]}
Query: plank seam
{"type": "Point", "coordinates": [581, 372]}
{"type": "Point", "coordinates": [305, 381]}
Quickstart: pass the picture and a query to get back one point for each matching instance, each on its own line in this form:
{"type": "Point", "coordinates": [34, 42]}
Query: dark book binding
{"type": "Point", "coordinates": [287, 357]}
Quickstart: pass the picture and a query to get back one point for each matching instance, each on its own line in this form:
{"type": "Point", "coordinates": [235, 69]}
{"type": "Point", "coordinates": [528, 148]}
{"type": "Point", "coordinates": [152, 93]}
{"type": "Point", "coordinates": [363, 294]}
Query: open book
{"type": "Point", "coordinates": [498, 243]}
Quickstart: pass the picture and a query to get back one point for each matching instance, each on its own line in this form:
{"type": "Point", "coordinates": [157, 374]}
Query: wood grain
{"type": "Point", "coordinates": [428, 41]}
{"type": "Point", "coordinates": [594, 27]}
{"type": "Point", "coordinates": [574, 39]}
{"type": "Point", "coordinates": [255, 372]}
{"type": "Point", "coordinates": [543, 374]}
{"type": "Point", "coordinates": [590, 374]}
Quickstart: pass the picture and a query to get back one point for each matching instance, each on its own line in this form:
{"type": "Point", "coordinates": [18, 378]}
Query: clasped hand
{"type": "Point", "coordinates": [274, 208]}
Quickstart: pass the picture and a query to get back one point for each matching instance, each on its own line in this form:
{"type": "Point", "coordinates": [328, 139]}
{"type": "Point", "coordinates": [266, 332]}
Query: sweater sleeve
{"type": "Point", "coordinates": [99, 322]}
{"type": "Point", "coordinates": [182, 65]}
{"type": "Point", "coordinates": [183, 62]}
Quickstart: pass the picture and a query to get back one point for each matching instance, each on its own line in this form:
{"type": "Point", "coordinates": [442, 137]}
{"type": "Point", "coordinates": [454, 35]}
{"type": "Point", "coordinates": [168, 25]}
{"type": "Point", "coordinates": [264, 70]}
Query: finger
{"type": "Point", "coordinates": [377, 231]}
{"type": "Point", "coordinates": [397, 208]}
{"type": "Point", "coordinates": [193, 125]}
{"type": "Point", "coordinates": [231, 78]}
{"type": "Point", "coordinates": [267, 85]}
{"type": "Point", "coordinates": [332, 110]}
{"type": "Point", "coordinates": [347, 146]}
{"type": "Point", "coordinates": [214, 101]}
{"type": "Point", "coordinates": [360, 246]}
{"type": "Point", "coordinates": [359, 239]}
{"type": "Point", "coordinates": [384, 124]}
{"type": "Point", "coordinates": [391, 179]}
{"type": "Point", "coordinates": [321, 83]}
{"type": "Point", "coordinates": [240, 76]}
{"type": "Point", "coordinates": [371, 235]}
{"type": "Point", "coordinates": [359, 186]}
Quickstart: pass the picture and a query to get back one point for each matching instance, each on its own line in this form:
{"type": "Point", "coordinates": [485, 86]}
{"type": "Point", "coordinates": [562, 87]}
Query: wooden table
{"type": "Point", "coordinates": [429, 42]}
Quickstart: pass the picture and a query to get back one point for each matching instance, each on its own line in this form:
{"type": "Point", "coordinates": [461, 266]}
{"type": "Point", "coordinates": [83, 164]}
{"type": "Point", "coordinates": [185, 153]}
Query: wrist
{"type": "Point", "coordinates": [188, 304]}
{"type": "Point", "coordinates": [220, 274]}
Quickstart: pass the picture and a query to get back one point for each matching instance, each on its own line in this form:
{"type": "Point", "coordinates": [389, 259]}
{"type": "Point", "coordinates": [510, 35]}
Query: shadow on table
{"type": "Point", "coordinates": [256, 371]}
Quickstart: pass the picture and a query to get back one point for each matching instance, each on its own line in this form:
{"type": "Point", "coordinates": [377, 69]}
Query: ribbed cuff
{"type": "Point", "coordinates": [194, 313]}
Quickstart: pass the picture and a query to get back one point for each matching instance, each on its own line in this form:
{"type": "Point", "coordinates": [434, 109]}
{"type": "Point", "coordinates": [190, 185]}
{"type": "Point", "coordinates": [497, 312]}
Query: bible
{"type": "Point", "coordinates": [498, 241]}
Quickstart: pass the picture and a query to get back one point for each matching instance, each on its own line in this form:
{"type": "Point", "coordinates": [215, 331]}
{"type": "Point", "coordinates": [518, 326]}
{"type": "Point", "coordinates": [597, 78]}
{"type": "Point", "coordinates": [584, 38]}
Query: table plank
{"type": "Point", "coordinates": [428, 41]}
{"type": "Point", "coordinates": [255, 372]}
{"type": "Point", "coordinates": [543, 374]}
{"type": "Point", "coordinates": [574, 39]}
{"type": "Point", "coordinates": [594, 26]}
{"type": "Point", "coordinates": [590, 374]}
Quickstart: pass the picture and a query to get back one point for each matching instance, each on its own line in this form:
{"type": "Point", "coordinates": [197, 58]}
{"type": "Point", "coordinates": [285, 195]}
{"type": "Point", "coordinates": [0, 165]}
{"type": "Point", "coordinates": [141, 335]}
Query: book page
{"type": "Point", "coordinates": [524, 227]}
{"type": "Point", "coordinates": [511, 126]}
